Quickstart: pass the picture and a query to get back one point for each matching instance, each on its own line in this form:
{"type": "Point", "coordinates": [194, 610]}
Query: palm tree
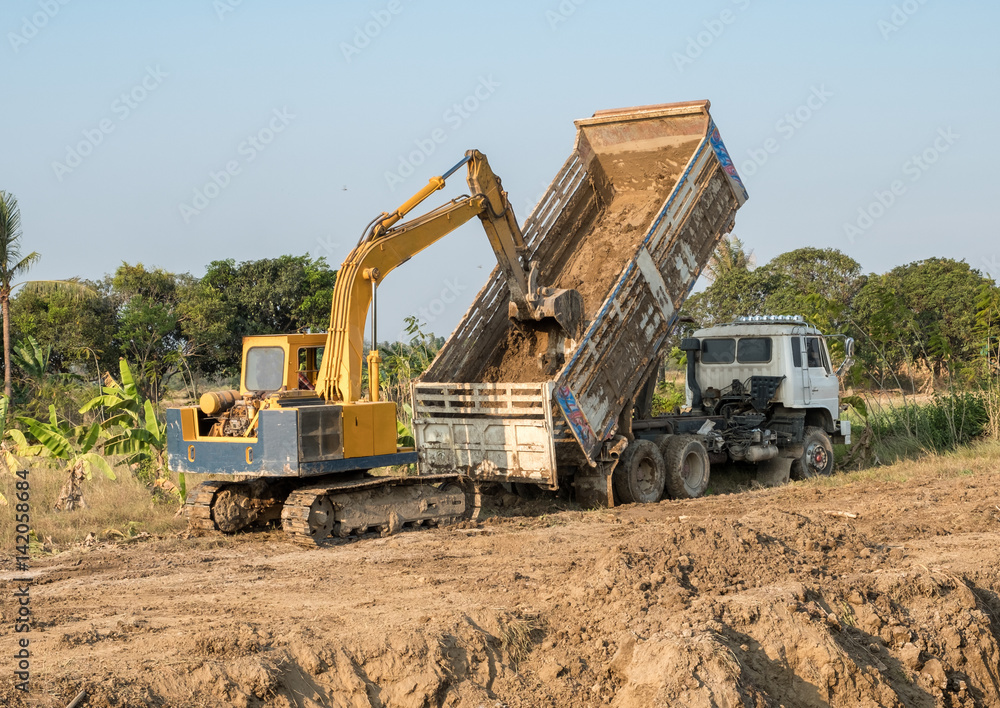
{"type": "Point", "coordinates": [730, 256]}
{"type": "Point", "coordinates": [13, 266]}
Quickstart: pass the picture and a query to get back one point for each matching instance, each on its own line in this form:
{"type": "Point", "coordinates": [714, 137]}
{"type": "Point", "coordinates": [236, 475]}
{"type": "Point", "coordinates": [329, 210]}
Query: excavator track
{"type": "Point", "coordinates": [343, 507]}
{"type": "Point", "coordinates": [199, 506]}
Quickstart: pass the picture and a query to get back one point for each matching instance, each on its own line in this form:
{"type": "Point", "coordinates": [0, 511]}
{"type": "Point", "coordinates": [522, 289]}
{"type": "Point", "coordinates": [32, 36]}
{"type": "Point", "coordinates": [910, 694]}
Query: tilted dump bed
{"type": "Point", "coordinates": [630, 222]}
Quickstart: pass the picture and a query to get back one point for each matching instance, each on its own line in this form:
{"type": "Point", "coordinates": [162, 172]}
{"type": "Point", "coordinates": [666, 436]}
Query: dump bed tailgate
{"type": "Point", "coordinates": [494, 432]}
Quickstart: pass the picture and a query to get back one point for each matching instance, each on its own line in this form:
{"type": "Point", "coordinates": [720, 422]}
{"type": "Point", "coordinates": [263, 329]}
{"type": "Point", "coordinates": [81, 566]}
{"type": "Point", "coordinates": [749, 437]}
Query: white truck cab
{"type": "Point", "coordinates": [772, 345]}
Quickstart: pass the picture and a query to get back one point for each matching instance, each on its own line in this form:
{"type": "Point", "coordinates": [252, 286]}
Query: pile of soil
{"type": "Point", "coordinates": [630, 188]}
{"type": "Point", "coordinates": [760, 599]}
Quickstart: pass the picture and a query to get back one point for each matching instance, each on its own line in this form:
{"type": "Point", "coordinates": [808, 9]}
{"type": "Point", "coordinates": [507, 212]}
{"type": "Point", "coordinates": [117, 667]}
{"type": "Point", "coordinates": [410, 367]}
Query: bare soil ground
{"type": "Point", "coordinates": [764, 598]}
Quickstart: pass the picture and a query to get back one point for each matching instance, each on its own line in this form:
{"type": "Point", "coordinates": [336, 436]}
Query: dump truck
{"type": "Point", "coordinates": [630, 222]}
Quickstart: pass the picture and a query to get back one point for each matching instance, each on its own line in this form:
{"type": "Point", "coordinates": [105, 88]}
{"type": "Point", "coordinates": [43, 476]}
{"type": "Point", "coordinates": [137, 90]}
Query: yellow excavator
{"type": "Point", "coordinates": [297, 441]}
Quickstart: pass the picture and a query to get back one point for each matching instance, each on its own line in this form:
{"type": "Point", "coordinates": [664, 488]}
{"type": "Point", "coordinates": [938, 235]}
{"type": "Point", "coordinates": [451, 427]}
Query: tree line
{"type": "Point", "coordinates": [924, 320]}
{"type": "Point", "coordinates": [172, 328]}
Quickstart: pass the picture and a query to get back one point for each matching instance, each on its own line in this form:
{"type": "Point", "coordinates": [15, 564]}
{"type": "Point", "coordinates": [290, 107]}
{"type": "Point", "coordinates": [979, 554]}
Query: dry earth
{"type": "Point", "coordinates": [757, 599]}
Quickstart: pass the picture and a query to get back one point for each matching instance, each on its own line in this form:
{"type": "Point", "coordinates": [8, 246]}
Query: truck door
{"type": "Point", "coordinates": [800, 356]}
{"type": "Point", "coordinates": [822, 382]}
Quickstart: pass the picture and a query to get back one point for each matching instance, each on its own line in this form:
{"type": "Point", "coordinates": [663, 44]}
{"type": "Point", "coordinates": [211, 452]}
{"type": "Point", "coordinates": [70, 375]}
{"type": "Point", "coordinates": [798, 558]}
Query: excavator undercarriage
{"type": "Point", "coordinates": [334, 506]}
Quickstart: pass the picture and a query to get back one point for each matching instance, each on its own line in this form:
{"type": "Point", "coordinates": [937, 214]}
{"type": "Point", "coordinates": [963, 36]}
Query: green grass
{"type": "Point", "coordinates": [979, 457]}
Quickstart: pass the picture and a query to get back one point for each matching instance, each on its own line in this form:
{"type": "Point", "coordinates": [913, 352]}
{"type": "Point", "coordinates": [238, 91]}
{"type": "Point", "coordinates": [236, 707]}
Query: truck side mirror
{"type": "Point", "coordinates": [849, 347]}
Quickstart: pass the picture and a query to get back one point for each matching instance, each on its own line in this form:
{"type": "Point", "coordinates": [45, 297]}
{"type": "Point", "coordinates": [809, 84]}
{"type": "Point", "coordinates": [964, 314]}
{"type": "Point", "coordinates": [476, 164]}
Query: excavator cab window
{"type": "Point", "coordinates": [265, 369]}
{"type": "Point", "coordinates": [310, 359]}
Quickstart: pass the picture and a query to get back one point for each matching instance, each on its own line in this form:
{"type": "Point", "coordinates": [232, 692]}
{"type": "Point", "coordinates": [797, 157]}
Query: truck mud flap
{"type": "Point", "coordinates": [490, 432]}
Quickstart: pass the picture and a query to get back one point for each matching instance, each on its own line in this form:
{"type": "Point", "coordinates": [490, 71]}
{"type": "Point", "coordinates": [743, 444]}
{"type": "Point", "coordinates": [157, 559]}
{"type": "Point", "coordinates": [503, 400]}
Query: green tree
{"type": "Point", "coordinates": [148, 323]}
{"type": "Point", "coordinates": [267, 296]}
{"type": "Point", "coordinates": [922, 313]}
{"type": "Point", "coordinates": [204, 317]}
{"type": "Point", "coordinates": [730, 256]}
{"type": "Point", "coordinates": [819, 283]}
{"type": "Point", "coordinates": [735, 293]}
{"type": "Point", "coordinates": [12, 266]}
{"type": "Point", "coordinates": [80, 333]}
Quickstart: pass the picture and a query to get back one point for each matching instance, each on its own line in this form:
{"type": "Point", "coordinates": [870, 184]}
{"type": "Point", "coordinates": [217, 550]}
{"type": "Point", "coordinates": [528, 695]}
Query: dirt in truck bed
{"type": "Point", "coordinates": [599, 248]}
{"type": "Point", "coordinates": [875, 593]}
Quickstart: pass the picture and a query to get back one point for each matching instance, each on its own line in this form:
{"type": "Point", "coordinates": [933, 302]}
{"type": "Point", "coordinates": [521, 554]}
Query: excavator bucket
{"type": "Point", "coordinates": [550, 307]}
{"type": "Point", "coordinates": [565, 307]}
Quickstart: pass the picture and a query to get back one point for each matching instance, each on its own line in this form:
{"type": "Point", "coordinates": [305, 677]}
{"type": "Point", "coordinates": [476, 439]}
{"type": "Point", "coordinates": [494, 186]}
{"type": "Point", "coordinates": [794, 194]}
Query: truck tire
{"type": "Point", "coordinates": [688, 467]}
{"type": "Point", "coordinates": [639, 476]}
{"type": "Point", "coordinates": [817, 455]}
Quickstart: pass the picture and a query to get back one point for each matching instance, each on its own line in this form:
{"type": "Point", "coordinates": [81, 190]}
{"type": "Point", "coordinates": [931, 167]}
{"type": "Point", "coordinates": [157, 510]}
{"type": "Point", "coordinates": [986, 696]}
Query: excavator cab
{"type": "Point", "coordinates": [281, 362]}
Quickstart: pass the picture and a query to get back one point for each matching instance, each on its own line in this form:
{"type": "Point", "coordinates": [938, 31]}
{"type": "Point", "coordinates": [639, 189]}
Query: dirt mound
{"type": "Point", "coordinates": [760, 599]}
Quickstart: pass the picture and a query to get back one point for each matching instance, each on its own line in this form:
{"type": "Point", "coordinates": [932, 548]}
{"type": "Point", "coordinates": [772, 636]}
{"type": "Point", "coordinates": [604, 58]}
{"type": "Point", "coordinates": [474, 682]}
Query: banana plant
{"type": "Point", "coordinates": [73, 448]}
{"type": "Point", "coordinates": [31, 358]}
{"type": "Point", "coordinates": [132, 428]}
{"type": "Point", "coordinates": [12, 444]}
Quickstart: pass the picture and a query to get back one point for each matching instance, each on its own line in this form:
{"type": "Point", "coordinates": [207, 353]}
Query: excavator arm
{"type": "Point", "coordinates": [387, 245]}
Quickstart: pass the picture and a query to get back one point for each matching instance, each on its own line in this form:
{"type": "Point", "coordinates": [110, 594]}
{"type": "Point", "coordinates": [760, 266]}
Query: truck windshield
{"type": "Point", "coordinates": [265, 369]}
{"type": "Point", "coordinates": [754, 350]}
{"type": "Point", "coordinates": [718, 351]}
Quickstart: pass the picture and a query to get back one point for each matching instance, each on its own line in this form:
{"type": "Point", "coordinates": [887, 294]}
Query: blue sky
{"type": "Point", "coordinates": [307, 114]}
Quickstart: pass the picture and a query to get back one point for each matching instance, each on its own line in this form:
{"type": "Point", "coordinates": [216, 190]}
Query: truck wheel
{"type": "Point", "coordinates": [687, 464]}
{"type": "Point", "coordinates": [817, 457]}
{"type": "Point", "coordinates": [639, 476]}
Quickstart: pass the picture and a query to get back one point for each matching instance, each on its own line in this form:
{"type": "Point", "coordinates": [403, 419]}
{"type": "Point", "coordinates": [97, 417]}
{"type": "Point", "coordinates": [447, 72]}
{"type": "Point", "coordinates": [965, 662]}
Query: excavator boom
{"type": "Point", "coordinates": [388, 243]}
